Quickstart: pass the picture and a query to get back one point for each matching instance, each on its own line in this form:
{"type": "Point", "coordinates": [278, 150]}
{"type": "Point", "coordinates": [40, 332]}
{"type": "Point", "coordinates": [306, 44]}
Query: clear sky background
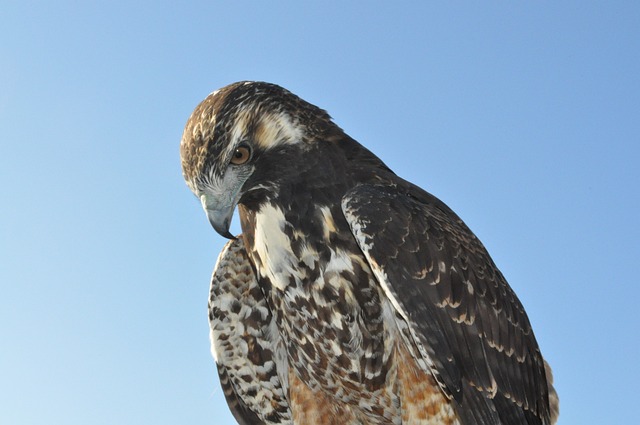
{"type": "Point", "coordinates": [524, 118]}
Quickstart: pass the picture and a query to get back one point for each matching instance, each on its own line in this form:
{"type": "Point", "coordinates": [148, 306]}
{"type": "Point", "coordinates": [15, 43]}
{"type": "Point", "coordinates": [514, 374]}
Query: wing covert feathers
{"type": "Point", "coordinates": [465, 320]}
{"type": "Point", "coordinates": [244, 341]}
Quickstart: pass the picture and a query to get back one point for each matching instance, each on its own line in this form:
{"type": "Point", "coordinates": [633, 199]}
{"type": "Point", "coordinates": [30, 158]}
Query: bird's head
{"type": "Point", "coordinates": [243, 141]}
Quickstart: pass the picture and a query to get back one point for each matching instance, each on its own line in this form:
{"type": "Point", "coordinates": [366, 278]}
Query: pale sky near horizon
{"type": "Point", "coordinates": [523, 118]}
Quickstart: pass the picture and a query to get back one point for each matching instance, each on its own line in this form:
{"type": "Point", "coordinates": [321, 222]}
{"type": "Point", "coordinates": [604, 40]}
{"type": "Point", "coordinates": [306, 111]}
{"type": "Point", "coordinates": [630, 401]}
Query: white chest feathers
{"type": "Point", "coordinates": [272, 247]}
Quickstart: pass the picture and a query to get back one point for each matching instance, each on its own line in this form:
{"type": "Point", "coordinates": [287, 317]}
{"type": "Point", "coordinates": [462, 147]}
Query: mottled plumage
{"type": "Point", "coordinates": [352, 296]}
{"type": "Point", "coordinates": [245, 342]}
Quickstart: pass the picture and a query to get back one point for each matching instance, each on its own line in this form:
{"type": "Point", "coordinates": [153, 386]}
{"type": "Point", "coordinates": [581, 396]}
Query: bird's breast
{"type": "Point", "coordinates": [326, 302]}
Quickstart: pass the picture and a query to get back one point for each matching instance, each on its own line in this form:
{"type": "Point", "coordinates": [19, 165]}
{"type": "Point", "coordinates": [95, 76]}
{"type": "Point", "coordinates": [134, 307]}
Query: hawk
{"type": "Point", "coordinates": [352, 296]}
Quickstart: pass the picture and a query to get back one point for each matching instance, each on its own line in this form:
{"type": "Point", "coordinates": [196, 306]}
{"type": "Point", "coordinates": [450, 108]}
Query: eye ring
{"type": "Point", "coordinates": [241, 155]}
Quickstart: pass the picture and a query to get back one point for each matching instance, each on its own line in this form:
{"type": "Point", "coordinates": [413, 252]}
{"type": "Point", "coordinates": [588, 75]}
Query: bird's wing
{"type": "Point", "coordinates": [241, 412]}
{"type": "Point", "coordinates": [466, 325]}
{"type": "Point", "coordinates": [245, 343]}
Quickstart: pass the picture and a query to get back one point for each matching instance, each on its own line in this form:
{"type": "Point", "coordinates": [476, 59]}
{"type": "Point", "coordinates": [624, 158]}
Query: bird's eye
{"type": "Point", "coordinates": [241, 155]}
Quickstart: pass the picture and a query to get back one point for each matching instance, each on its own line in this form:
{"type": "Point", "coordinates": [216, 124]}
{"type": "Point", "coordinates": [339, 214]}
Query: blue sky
{"type": "Point", "coordinates": [524, 118]}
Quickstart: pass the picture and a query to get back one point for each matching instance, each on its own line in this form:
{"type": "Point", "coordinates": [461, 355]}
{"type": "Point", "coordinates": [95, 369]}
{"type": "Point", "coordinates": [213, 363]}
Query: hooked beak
{"type": "Point", "coordinates": [220, 197]}
{"type": "Point", "coordinates": [219, 216]}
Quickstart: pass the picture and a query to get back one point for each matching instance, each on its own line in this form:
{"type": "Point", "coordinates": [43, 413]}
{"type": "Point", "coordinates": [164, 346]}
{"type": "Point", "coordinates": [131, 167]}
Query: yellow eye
{"type": "Point", "coordinates": [241, 155]}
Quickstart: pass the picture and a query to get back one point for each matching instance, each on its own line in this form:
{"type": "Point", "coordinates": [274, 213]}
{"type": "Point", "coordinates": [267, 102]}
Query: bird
{"type": "Point", "coordinates": [351, 296]}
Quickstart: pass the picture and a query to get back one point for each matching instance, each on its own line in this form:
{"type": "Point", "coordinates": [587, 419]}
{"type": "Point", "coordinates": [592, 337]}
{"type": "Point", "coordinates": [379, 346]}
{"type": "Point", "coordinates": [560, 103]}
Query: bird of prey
{"type": "Point", "coordinates": [351, 296]}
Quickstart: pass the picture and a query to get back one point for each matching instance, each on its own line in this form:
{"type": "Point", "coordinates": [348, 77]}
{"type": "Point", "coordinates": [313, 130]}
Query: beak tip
{"type": "Point", "coordinates": [221, 222]}
{"type": "Point", "coordinates": [227, 235]}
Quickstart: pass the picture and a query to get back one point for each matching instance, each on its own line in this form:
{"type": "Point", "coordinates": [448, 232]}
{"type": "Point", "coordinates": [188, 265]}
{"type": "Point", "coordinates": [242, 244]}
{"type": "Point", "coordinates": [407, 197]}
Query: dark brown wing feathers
{"type": "Point", "coordinates": [462, 309]}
